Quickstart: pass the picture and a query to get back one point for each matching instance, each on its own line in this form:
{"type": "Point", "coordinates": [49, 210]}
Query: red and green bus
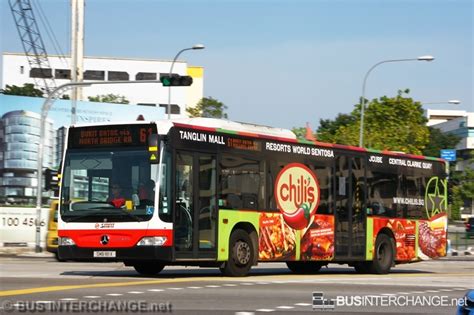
{"type": "Point", "coordinates": [215, 193]}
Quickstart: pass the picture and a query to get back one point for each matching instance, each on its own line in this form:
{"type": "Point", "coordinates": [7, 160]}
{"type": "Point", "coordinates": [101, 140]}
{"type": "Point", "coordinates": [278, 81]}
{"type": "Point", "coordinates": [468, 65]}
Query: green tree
{"type": "Point", "coordinates": [109, 98]}
{"type": "Point", "coordinates": [27, 89]}
{"type": "Point", "coordinates": [391, 123]}
{"type": "Point", "coordinates": [208, 107]}
{"type": "Point", "coordinates": [438, 141]}
{"type": "Point", "coordinates": [300, 132]}
{"type": "Point", "coordinates": [327, 128]}
{"type": "Point", "coordinates": [463, 187]}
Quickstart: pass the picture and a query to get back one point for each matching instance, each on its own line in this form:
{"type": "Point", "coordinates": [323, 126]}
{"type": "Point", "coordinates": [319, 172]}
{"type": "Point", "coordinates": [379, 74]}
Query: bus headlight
{"type": "Point", "coordinates": [152, 241]}
{"type": "Point", "coordinates": [66, 241]}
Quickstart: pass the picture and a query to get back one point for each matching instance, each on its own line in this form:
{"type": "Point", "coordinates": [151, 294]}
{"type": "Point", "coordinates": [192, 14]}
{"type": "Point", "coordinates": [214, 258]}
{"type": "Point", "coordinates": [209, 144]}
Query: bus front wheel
{"type": "Point", "coordinates": [241, 256]}
{"type": "Point", "coordinates": [149, 268]}
{"type": "Point", "coordinates": [384, 255]}
{"type": "Point", "coordinates": [304, 267]}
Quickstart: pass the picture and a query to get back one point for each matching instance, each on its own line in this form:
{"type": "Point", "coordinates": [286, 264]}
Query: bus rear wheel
{"type": "Point", "coordinates": [241, 256]}
{"type": "Point", "coordinates": [304, 267]}
{"type": "Point", "coordinates": [149, 268]}
{"type": "Point", "coordinates": [384, 255]}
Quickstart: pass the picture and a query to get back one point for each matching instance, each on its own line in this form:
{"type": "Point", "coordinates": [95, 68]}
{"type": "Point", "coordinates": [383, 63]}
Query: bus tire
{"type": "Point", "coordinates": [241, 255]}
{"type": "Point", "coordinates": [384, 254]}
{"type": "Point", "coordinates": [304, 267]}
{"type": "Point", "coordinates": [149, 268]}
{"type": "Point", "coordinates": [56, 255]}
{"type": "Point", "coordinates": [362, 267]}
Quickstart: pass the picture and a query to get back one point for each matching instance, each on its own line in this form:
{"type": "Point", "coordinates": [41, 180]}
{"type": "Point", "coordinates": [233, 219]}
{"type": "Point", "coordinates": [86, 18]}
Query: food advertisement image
{"type": "Point", "coordinates": [277, 240]}
{"type": "Point", "coordinates": [297, 195]}
{"type": "Point", "coordinates": [405, 236]}
{"type": "Point", "coordinates": [432, 237]}
{"type": "Point", "coordinates": [317, 242]}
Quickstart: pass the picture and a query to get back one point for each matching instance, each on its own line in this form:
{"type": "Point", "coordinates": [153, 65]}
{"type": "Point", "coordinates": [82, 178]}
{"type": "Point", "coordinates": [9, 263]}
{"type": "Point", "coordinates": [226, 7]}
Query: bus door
{"type": "Point", "coordinates": [350, 204]}
{"type": "Point", "coordinates": [195, 207]}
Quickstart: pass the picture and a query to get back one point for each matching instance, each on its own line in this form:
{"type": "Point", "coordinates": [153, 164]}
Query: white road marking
{"type": "Point", "coordinates": [91, 297]}
{"type": "Point", "coordinates": [417, 292]}
{"type": "Point", "coordinates": [114, 294]}
{"type": "Point", "coordinates": [244, 313]}
{"type": "Point", "coordinates": [194, 287]}
{"type": "Point", "coordinates": [285, 307]}
{"type": "Point", "coordinates": [247, 283]}
{"type": "Point", "coordinates": [446, 290]}
{"type": "Point", "coordinates": [388, 294]}
{"type": "Point", "coordinates": [229, 285]}
{"type": "Point", "coordinates": [135, 292]}
{"type": "Point", "coordinates": [266, 310]}
{"type": "Point", "coordinates": [413, 283]}
{"type": "Point", "coordinates": [69, 299]}
{"type": "Point", "coordinates": [156, 290]}
{"type": "Point", "coordinates": [213, 286]}
{"type": "Point", "coordinates": [175, 288]}
{"type": "Point", "coordinates": [403, 293]}
{"type": "Point", "coordinates": [261, 282]}
{"type": "Point", "coordinates": [43, 302]}
{"type": "Point", "coordinates": [460, 289]}
{"type": "Point", "coordinates": [303, 304]}
{"type": "Point", "coordinates": [431, 291]}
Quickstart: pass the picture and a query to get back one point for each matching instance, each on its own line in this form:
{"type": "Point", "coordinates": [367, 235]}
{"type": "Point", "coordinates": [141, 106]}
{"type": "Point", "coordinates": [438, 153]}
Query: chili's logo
{"type": "Point", "coordinates": [436, 196]}
{"type": "Point", "coordinates": [297, 194]}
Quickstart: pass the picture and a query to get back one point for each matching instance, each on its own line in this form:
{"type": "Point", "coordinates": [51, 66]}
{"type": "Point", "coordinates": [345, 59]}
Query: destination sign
{"type": "Point", "coordinates": [106, 136]}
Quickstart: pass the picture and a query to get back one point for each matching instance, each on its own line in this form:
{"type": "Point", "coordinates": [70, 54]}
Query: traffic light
{"type": "Point", "coordinates": [176, 80]}
{"type": "Point", "coordinates": [51, 180]}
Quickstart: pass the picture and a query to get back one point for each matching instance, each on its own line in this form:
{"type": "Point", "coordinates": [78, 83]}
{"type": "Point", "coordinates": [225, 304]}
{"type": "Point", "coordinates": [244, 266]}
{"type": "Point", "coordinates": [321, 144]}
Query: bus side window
{"type": "Point", "coordinates": [274, 168]}
{"type": "Point", "coordinates": [241, 182]}
{"type": "Point", "coordinates": [323, 174]}
{"type": "Point", "coordinates": [383, 187]}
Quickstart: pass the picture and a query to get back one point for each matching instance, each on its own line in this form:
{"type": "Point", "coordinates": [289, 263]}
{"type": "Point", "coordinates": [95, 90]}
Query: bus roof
{"type": "Point", "coordinates": [215, 124]}
{"type": "Point", "coordinates": [251, 130]}
{"type": "Point", "coordinates": [235, 126]}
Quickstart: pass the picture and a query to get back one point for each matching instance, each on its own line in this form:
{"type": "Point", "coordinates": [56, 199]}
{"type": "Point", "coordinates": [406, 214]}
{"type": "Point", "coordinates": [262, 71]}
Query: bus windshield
{"type": "Point", "coordinates": [113, 185]}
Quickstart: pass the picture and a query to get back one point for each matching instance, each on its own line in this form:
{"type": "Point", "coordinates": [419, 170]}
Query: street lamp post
{"type": "Point", "coordinates": [195, 47]}
{"type": "Point", "coordinates": [361, 130]}
{"type": "Point", "coordinates": [452, 102]}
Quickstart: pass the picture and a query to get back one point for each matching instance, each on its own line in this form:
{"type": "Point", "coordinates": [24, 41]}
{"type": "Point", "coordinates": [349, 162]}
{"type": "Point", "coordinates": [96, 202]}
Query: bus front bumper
{"type": "Point", "coordinates": [138, 253]}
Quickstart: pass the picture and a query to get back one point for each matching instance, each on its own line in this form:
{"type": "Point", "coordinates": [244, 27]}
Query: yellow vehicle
{"type": "Point", "coordinates": [52, 236]}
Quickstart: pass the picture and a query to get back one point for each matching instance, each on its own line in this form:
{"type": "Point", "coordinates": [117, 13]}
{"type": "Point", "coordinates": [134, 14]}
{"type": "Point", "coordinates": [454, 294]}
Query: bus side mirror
{"type": "Point", "coordinates": [153, 148]}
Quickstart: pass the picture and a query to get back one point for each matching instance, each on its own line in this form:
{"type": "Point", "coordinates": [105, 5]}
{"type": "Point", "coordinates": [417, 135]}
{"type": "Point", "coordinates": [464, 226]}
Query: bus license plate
{"type": "Point", "coordinates": [101, 254]}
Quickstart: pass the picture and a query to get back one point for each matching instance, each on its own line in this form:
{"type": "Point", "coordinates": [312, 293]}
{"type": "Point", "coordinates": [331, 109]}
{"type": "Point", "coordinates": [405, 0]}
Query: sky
{"type": "Point", "coordinates": [284, 63]}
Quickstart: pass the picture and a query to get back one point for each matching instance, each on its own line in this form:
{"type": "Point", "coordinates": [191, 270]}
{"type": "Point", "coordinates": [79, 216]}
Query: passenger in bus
{"type": "Point", "coordinates": [116, 198]}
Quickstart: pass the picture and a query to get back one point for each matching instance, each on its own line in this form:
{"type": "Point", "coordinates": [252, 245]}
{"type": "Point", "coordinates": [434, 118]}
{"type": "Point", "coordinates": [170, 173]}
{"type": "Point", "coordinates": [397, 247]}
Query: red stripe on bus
{"type": "Point", "coordinates": [117, 238]}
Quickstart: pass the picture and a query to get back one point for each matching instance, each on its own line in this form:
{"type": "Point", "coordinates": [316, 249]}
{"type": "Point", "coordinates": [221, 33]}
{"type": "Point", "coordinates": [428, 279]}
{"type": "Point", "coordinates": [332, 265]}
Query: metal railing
{"type": "Point", "coordinates": [461, 241]}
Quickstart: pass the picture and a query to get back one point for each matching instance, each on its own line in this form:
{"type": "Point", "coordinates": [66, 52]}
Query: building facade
{"type": "Point", "coordinates": [16, 71]}
{"type": "Point", "coordinates": [19, 142]}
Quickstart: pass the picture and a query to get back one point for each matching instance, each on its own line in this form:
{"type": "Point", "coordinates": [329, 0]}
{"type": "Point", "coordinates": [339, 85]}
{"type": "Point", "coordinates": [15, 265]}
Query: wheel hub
{"type": "Point", "coordinates": [242, 253]}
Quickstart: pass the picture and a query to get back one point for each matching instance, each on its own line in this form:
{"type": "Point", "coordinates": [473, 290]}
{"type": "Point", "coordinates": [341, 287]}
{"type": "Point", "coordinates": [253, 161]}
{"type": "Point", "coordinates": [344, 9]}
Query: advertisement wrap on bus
{"type": "Point", "coordinates": [216, 193]}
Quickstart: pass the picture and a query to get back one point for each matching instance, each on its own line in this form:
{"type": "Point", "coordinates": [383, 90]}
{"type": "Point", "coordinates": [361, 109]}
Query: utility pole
{"type": "Point", "coordinates": [77, 53]}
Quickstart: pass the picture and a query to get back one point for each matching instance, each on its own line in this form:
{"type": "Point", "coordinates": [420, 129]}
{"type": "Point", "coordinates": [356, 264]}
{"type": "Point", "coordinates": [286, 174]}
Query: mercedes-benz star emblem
{"type": "Point", "coordinates": [104, 240]}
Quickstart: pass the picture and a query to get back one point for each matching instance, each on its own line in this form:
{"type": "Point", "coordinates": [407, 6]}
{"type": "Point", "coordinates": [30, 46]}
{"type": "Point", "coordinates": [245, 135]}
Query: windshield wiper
{"type": "Point", "coordinates": [127, 213]}
{"type": "Point", "coordinates": [75, 218]}
{"type": "Point", "coordinates": [112, 211]}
